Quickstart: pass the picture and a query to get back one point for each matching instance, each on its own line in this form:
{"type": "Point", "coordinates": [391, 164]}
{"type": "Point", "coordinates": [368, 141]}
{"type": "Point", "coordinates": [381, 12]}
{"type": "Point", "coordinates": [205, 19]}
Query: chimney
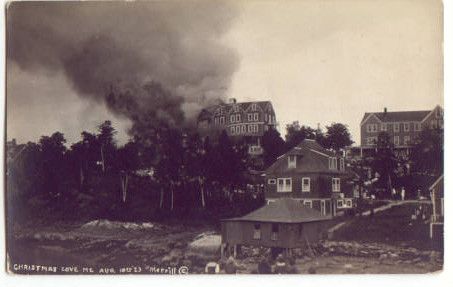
{"type": "Point", "coordinates": [232, 100]}
{"type": "Point", "coordinates": [385, 110]}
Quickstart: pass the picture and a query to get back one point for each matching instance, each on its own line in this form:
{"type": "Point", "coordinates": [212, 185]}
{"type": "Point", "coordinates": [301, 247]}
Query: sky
{"type": "Point", "coordinates": [317, 61]}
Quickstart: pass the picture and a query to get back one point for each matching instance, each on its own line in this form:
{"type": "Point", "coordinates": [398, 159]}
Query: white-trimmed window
{"type": "Point", "coordinates": [340, 203]}
{"type": "Point", "coordinates": [271, 181]}
{"type": "Point", "coordinates": [407, 140]}
{"type": "Point", "coordinates": [407, 127]}
{"type": "Point", "coordinates": [384, 127]}
{"type": "Point", "coordinates": [257, 231]}
{"type": "Point", "coordinates": [348, 202]}
{"type": "Point", "coordinates": [371, 128]}
{"type": "Point", "coordinates": [396, 140]}
{"type": "Point", "coordinates": [284, 185]}
{"type": "Point", "coordinates": [323, 207]}
{"type": "Point", "coordinates": [250, 117]}
{"type": "Point", "coordinates": [255, 117]}
{"type": "Point", "coordinates": [243, 129]}
{"type": "Point", "coordinates": [233, 130]}
{"type": "Point", "coordinates": [305, 184]}
{"type": "Point", "coordinates": [335, 184]}
{"type": "Point", "coordinates": [238, 118]}
{"type": "Point", "coordinates": [308, 203]}
{"type": "Point", "coordinates": [254, 107]}
{"type": "Point", "coordinates": [274, 233]}
{"type": "Point", "coordinates": [235, 108]}
{"type": "Point", "coordinates": [417, 127]}
{"type": "Point", "coordinates": [396, 127]}
{"type": "Point", "coordinates": [292, 161]}
{"type": "Point", "coordinates": [342, 164]}
{"type": "Point", "coordinates": [371, 140]}
{"type": "Point", "coordinates": [238, 130]}
{"type": "Point", "coordinates": [222, 120]}
{"type": "Point", "coordinates": [232, 118]}
{"type": "Point", "coordinates": [332, 163]}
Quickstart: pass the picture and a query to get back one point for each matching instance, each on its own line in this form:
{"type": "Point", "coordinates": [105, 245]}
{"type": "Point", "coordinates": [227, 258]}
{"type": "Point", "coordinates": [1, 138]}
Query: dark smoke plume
{"type": "Point", "coordinates": [158, 62]}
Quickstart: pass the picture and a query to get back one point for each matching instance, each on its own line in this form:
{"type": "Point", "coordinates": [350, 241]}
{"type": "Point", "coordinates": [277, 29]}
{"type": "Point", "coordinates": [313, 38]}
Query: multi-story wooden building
{"type": "Point", "coordinates": [249, 120]}
{"type": "Point", "coordinates": [403, 127]}
{"type": "Point", "coordinates": [317, 177]}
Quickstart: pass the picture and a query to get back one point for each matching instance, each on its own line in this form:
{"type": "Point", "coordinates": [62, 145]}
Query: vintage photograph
{"type": "Point", "coordinates": [224, 137]}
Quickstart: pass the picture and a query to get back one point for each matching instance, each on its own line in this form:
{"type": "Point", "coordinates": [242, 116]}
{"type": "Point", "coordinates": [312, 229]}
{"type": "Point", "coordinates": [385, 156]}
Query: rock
{"type": "Point", "coordinates": [206, 243]}
{"type": "Point", "coordinates": [348, 266]}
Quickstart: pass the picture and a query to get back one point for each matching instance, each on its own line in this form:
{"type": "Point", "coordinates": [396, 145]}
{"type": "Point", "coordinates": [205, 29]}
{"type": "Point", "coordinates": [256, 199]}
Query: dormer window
{"type": "Point", "coordinates": [253, 107]}
{"type": "Point", "coordinates": [292, 161]}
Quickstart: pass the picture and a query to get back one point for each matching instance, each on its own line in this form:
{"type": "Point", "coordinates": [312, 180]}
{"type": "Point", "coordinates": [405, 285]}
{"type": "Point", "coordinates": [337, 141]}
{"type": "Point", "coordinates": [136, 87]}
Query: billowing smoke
{"type": "Point", "coordinates": [153, 62]}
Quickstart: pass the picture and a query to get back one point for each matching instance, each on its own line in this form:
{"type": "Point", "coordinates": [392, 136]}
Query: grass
{"type": "Point", "coordinates": [392, 226]}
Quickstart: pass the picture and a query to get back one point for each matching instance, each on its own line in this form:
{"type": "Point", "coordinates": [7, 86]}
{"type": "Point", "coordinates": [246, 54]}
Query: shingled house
{"type": "Point", "coordinates": [284, 223]}
{"type": "Point", "coordinates": [245, 120]}
{"type": "Point", "coordinates": [403, 127]}
{"type": "Point", "coordinates": [315, 176]}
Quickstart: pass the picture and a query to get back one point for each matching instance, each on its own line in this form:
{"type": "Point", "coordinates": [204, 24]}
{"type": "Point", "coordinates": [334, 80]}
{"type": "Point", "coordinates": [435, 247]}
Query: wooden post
{"type": "Point", "coordinates": [235, 251]}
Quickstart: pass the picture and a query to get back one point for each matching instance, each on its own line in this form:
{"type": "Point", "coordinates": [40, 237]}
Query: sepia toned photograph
{"type": "Point", "coordinates": [171, 137]}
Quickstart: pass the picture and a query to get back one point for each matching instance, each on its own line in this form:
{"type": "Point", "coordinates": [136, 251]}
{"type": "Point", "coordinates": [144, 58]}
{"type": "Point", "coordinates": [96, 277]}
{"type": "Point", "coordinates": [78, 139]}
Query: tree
{"type": "Point", "coordinates": [385, 162]}
{"type": "Point", "coordinates": [295, 134]}
{"type": "Point", "coordinates": [427, 153]}
{"type": "Point", "coordinates": [337, 137]}
{"type": "Point", "coordinates": [273, 146]}
{"type": "Point", "coordinates": [107, 143]}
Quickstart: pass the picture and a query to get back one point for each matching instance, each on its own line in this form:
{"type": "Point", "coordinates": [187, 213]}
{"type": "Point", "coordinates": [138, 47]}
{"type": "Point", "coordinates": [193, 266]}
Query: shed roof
{"type": "Point", "coordinates": [284, 210]}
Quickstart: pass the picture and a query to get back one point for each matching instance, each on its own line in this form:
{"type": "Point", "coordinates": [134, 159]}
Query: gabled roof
{"type": "Point", "coordinates": [405, 116]}
{"type": "Point", "coordinates": [305, 164]}
{"type": "Point", "coordinates": [285, 210]}
{"type": "Point", "coordinates": [242, 106]}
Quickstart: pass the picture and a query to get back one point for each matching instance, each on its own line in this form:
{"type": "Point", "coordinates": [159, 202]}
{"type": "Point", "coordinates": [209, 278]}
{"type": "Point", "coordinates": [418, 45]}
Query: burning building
{"type": "Point", "coordinates": [246, 120]}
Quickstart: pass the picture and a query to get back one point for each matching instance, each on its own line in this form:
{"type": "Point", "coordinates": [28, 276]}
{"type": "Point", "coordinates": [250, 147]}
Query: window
{"type": "Point", "coordinates": [348, 202]}
{"type": "Point", "coordinates": [243, 129]}
{"type": "Point", "coordinates": [292, 161]}
{"type": "Point", "coordinates": [232, 118]}
{"type": "Point", "coordinates": [417, 127]}
{"type": "Point", "coordinates": [371, 128]}
{"type": "Point", "coordinates": [308, 203]}
{"type": "Point", "coordinates": [340, 203]}
{"type": "Point", "coordinates": [222, 120]}
{"type": "Point", "coordinates": [232, 130]}
{"type": "Point", "coordinates": [274, 234]}
{"type": "Point", "coordinates": [253, 107]}
{"type": "Point", "coordinates": [407, 127]}
{"type": "Point", "coordinates": [336, 184]}
{"type": "Point", "coordinates": [271, 181]}
{"type": "Point", "coordinates": [433, 124]}
{"type": "Point", "coordinates": [257, 231]}
{"type": "Point", "coordinates": [332, 163]}
{"type": "Point", "coordinates": [238, 130]}
{"type": "Point", "coordinates": [238, 118]}
{"type": "Point", "coordinates": [396, 127]}
{"type": "Point", "coordinates": [323, 207]}
{"type": "Point", "coordinates": [305, 184]}
{"type": "Point", "coordinates": [216, 121]}
{"type": "Point", "coordinates": [255, 117]}
{"type": "Point", "coordinates": [407, 140]}
{"type": "Point", "coordinates": [342, 164]}
{"type": "Point", "coordinates": [284, 185]}
{"type": "Point", "coordinates": [384, 127]}
{"type": "Point", "coordinates": [235, 108]}
{"type": "Point", "coordinates": [250, 117]}
{"type": "Point", "coordinates": [371, 140]}
{"type": "Point", "coordinates": [396, 140]}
